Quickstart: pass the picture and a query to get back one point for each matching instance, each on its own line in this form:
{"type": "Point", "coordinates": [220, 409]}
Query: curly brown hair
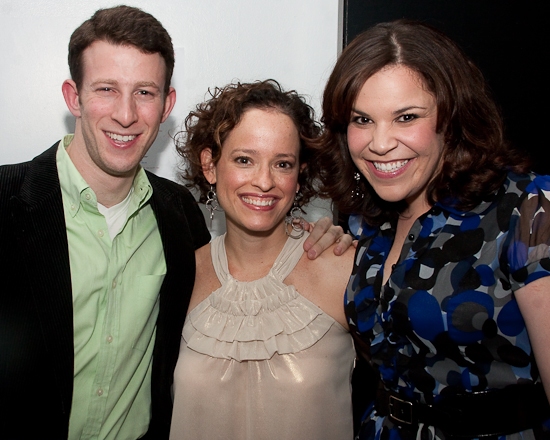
{"type": "Point", "coordinates": [211, 122]}
{"type": "Point", "coordinates": [124, 26]}
{"type": "Point", "coordinates": [476, 157]}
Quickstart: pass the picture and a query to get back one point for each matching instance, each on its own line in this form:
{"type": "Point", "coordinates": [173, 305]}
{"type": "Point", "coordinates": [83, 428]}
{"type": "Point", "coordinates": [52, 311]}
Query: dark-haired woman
{"type": "Point", "coordinates": [450, 295]}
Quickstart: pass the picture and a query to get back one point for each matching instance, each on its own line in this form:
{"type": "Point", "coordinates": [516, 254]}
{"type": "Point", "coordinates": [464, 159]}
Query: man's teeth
{"type": "Point", "coordinates": [390, 167]}
{"type": "Point", "coordinates": [120, 138]}
{"type": "Point", "coordinates": [260, 202]}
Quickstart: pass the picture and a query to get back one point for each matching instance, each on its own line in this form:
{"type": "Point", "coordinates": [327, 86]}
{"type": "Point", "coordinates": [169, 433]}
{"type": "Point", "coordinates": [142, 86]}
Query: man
{"type": "Point", "coordinates": [89, 240]}
{"type": "Point", "coordinates": [97, 255]}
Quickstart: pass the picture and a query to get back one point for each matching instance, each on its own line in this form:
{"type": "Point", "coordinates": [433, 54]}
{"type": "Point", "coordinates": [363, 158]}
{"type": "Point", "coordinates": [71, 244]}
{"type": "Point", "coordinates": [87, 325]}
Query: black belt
{"type": "Point", "coordinates": [477, 414]}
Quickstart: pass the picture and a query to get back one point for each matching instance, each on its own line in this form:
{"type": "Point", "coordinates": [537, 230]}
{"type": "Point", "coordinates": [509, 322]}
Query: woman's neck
{"type": "Point", "coordinates": [251, 256]}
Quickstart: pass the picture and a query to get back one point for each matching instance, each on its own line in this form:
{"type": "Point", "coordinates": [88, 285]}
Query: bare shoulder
{"type": "Point", "coordinates": [333, 270]}
{"type": "Point", "coordinates": [323, 281]}
{"type": "Point", "coordinates": [203, 256]}
{"type": "Point", "coordinates": [332, 263]}
{"type": "Point", "coordinates": [206, 280]}
{"type": "Point", "coordinates": [204, 267]}
{"type": "Point", "coordinates": [326, 267]}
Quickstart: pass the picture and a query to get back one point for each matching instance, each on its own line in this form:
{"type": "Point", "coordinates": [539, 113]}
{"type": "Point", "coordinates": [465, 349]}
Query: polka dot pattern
{"type": "Point", "coordinates": [447, 320]}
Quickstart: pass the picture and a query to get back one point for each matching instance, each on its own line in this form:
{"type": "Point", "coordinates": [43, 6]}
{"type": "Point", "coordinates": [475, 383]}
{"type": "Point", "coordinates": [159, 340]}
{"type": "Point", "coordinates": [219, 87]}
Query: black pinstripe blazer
{"type": "Point", "coordinates": [36, 315]}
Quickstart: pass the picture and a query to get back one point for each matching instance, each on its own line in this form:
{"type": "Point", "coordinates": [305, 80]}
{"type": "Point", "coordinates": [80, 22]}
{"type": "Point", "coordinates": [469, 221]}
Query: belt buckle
{"type": "Point", "coordinates": [401, 410]}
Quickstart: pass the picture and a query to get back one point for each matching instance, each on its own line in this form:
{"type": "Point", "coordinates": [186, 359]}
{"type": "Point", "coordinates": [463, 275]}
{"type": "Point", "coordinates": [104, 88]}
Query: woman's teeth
{"type": "Point", "coordinates": [260, 202]}
{"type": "Point", "coordinates": [388, 167]}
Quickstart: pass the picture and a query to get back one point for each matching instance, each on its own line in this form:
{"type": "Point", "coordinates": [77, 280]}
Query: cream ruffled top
{"type": "Point", "coordinates": [260, 361]}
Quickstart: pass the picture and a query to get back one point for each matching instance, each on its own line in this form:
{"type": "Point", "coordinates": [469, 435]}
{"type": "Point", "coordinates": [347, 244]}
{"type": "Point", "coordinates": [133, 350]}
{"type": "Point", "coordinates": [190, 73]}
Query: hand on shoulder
{"type": "Point", "coordinates": [324, 235]}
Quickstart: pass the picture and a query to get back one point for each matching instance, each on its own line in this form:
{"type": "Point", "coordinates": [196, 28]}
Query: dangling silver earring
{"type": "Point", "coordinates": [294, 223]}
{"type": "Point", "coordinates": [212, 202]}
{"type": "Point", "coordinates": [357, 191]}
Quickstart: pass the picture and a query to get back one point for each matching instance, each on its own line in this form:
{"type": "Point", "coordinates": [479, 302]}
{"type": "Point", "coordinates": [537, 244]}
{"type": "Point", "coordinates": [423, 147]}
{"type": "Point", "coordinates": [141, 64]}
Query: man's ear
{"type": "Point", "coordinates": [208, 167]}
{"type": "Point", "coordinates": [70, 93]}
{"type": "Point", "coordinates": [169, 102]}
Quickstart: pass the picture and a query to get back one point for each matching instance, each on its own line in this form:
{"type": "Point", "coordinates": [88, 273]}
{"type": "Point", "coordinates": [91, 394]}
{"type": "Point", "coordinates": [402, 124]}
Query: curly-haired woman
{"type": "Point", "coordinates": [265, 352]}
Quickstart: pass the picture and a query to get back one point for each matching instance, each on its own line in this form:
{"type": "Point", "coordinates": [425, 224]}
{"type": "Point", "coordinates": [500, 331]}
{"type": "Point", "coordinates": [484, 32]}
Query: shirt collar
{"type": "Point", "coordinates": [79, 194]}
{"type": "Point", "coordinates": [480, 209]}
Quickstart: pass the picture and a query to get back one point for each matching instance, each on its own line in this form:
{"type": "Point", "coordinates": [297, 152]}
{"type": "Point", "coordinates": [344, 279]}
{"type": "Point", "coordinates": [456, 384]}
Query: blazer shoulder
{"type": "Point", "coordinates": [44, 157]}
{"type": "Point", "coordinates": [38, 174]}
{"type": "Point", "coordinates": [11, 178]}
{"type": "Point", "coordinates": [169, 191]}
{"type": "Point", "coordinates": [174, 202]}
{"type": "Point", "coordinates": [167, 185]}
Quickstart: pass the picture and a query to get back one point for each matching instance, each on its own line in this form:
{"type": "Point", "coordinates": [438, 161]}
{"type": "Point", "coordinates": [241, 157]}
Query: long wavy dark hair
{"type": "Point", "coordinates": [475, 158]}
{"type": "Point", "coordinates": [211, 122]}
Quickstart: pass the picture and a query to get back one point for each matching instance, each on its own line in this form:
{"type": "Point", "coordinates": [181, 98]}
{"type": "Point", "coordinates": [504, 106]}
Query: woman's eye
{"type": "Point", "coordinates": [360, 120]}
{"type": "Point", "coordinates": [242, 160]}
{"type": "Point", "coordinates": [407, 118]}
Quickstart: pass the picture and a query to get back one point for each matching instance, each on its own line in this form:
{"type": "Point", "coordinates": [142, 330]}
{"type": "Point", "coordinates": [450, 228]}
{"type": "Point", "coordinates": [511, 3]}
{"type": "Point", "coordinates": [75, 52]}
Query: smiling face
{"type": "Point", "coordinates": [256, 176]}
{"type": "Point", "coordinates": [119, 109]}
{"type": "Point", "coordinates": [392, 136]}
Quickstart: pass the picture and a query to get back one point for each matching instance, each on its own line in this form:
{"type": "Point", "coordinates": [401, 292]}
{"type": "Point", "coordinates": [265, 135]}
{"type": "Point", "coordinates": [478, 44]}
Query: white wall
{"type": "Point", "coordinates": [216, 41]}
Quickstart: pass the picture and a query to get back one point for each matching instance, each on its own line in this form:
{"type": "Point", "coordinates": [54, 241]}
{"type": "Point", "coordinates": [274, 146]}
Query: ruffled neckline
{"type": "Point", "coordinates": [253, 320]}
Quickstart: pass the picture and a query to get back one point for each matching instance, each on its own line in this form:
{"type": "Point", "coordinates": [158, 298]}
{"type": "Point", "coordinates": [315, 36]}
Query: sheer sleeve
{"type": "Point", "coordinates": [528, 254]}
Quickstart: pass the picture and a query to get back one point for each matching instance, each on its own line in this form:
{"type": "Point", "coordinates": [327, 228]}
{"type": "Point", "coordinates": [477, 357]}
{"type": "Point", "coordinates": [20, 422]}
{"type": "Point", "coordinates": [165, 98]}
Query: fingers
{"type": "Point", "coordinates": [323, 236]}
{"type": "Point", "coordinates": [316, 230]}
{"type": "Point", "coordinates": [307, 225]}
{"type": "Point", "coordinates": [344, 243]}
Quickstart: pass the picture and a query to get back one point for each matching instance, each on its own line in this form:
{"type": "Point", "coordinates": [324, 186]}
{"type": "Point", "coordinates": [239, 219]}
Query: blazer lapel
{"type": "Point", "coordinates": [43, 242]}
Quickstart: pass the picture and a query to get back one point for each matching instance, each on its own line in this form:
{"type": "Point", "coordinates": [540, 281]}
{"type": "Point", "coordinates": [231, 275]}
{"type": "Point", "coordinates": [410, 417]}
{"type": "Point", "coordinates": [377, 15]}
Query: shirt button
{"type": "Point", "coordinates": [100, 392]}
{"type": "Point", "coordinates": [100, 233]}
{"type": "Point", "coordinates": [109, 339]}
{"type": "Point", "coordinates": [88, 196]}
{"type": "Point", "coordinates": [411, 237]}
{"type": "Point", "coordinates": [113, 284]}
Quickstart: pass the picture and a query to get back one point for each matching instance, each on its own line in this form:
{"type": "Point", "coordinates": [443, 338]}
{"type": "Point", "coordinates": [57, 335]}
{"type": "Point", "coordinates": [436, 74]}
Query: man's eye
{"type": "Point", "coordinates": [145, 94]}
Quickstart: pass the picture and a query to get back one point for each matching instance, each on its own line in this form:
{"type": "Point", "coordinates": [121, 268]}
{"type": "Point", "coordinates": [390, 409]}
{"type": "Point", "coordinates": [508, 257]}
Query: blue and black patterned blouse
{"type": "Point", "coordinates": [447, 317]}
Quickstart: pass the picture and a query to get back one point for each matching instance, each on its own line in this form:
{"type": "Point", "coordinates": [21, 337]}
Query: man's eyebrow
{"type": "Point", "coordinates": [114, 83]}
{"type": "Point", "coordinates": [104, 81]}
{"type": "Point", "coordinates": [148, 84]}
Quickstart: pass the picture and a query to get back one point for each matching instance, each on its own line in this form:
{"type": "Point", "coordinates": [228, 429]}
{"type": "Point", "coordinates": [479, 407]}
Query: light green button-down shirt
{"type": "Point", "coordinates": [115, 287]}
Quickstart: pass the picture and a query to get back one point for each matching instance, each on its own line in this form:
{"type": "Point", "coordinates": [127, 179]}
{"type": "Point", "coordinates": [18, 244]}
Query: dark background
{"type": "Point", "coordinates": [508, 40]}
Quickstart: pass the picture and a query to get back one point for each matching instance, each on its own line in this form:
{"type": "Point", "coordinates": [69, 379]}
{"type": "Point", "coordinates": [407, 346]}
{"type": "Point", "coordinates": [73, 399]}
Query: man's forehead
{"type": "Point", "coordinates": [119, 47]}
{"type": "Point", "coordinates": [108, 61]}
